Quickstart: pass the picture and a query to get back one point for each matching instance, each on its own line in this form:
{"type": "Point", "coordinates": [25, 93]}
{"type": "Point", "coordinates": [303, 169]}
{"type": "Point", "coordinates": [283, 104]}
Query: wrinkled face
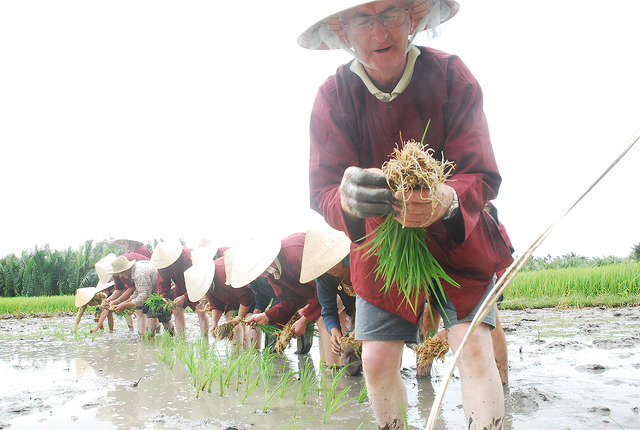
{"type": "Point", "coordinates": [382, 48]}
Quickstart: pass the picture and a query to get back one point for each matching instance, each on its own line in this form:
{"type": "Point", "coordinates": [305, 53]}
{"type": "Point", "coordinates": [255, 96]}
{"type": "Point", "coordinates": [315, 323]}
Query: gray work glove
{"type": "Point", "coordinates": [364, 193]}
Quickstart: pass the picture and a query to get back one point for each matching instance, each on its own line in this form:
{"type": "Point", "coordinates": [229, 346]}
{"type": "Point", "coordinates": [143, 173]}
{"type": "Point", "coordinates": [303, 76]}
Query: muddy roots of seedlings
{"type": "Point", "coordinates": [285, 336]}
{"type": "Point", "coordinates": [224, 331]}
{"type": "Point", "coordinates": [429, 350]}
{"type": "Point", "coordinates": [350, 341]}
{"type": "Point", "coordinates": [414, 168]}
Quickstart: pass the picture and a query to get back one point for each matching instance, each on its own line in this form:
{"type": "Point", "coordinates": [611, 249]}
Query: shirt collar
{"type": "Point", "coordinates": [277, 271]}
{"type": "Point", "coordinates": [358, 69]}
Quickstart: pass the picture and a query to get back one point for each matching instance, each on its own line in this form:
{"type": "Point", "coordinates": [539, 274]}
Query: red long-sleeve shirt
{"type": "Point", "coordinates": [351, 127]}
{"type": "Point", "coordinates": [288, 288]}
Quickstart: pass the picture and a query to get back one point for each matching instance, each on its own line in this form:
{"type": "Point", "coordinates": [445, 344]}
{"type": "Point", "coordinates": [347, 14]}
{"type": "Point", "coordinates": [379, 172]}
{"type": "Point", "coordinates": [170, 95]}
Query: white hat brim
{"type": "Point", "coordinates": [323, 249]}
{"type": "Point", "coordinates": [332, 20]}
{"type": "Point", "coordinates": [165, 254]}
{"type": "Point", "coordinates": [103, 266]}
{"type": "Point", "coordinates": [198, 279]}
{"type": "Point", "coordinates": [250, 260]}
{"type": "Point", "coordinates": [84, 295]}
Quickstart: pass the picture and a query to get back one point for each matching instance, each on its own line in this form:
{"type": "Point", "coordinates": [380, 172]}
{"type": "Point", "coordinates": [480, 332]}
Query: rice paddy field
{"type": "Point", "coordinates": [573, 339]}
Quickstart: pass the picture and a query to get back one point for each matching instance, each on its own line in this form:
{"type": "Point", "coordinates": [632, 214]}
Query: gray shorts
{"type": "Point", "coordinates": [450, 317]}
{"type": "Point", "coordinates": [373, 323]}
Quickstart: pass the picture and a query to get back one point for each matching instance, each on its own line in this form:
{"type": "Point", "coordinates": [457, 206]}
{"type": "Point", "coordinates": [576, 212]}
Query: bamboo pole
{"type": "Point", "coordinates": [504, 282]}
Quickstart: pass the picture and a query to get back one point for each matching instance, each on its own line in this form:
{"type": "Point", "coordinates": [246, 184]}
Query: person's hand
{"type": "Point", "coordinates": [235, 321]}
{"type": "Point", "coordinates": [336, 341]}
{"type": "Point", "coordinates": [214, 326]}
{"type": "Point", "coordinates": [364, 193]}
{"type": "Point", "coordinates": [179, 301]}
{"type": "Point", "coordinates": [121, 307]}
{"type": "Point", "coordinates": [300, 327]}
{"type": "Point", "coordinates": [257, 319]}
{"type": "Point", "coordinates": [420, 210]}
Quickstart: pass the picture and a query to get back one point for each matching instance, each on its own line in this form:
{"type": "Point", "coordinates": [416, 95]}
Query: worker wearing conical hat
{"type": "Point", "coordinates": [390, 93]}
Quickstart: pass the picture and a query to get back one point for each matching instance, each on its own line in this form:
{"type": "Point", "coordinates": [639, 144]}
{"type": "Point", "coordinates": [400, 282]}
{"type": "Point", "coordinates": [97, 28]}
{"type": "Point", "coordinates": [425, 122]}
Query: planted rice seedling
{"type": "Point", "coordinates": [404, 260]}
{"type": "Point", "coordinates": [333, 397]}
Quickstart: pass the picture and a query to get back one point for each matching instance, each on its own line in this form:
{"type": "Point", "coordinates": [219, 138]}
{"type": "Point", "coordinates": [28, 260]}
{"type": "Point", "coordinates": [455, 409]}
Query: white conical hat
{"type": "Point", "coordinates": [250, 260]}
{"type": "Point", "coordinates": [103, 266]}
{"type": "Point", "coordinates": [324, 247]}
{"type": "Point", "coordinates": [324, 34]}
{"type": "Point", "coordinates": [198, 279]}
{"type": "Point", "coordinates": [84, 295]}
{"type": "Point", "coordinates": [166, 253]}
{"type": "Point", "coordinates": [203, 255]}
{"type": "Point", "coordinates": [101, 286]}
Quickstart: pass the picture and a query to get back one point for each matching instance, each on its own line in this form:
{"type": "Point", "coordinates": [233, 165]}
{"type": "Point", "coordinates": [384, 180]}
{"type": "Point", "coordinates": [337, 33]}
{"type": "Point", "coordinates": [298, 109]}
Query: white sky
{"type": "Point", "coordinates": [154, 119]}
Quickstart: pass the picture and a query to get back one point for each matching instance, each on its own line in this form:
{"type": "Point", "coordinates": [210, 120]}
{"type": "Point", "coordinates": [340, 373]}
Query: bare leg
{"type": "Point", "coordinates": [181, 325]}
{"type": "Point", "coordinates": [326, 355]}
{"type": "Point", "coordinates": [110, 321]}
{"type": "Point", "coordinates": [388, 396]}
{"type": "Point", "coordinates": [142, 322]}
{"type": "Point", "coordinates": [129, 319]}
{"type": "Point", "coordinates": [203, 320]}
{"type": "Point", "coordinates": [152, 325]}
{"type": "Point", "coordinates": [428, 327]}
{"type": "Point", "coordinates": [482, 394]}
{"type": "Point", "coordinates": [500, 351]}
{"type": "Point", "coordinates": [81, 310]}
{"type": "Point", "coordinates": [101, 318]}
{"type": "Point", "coordinates": [252, 336]}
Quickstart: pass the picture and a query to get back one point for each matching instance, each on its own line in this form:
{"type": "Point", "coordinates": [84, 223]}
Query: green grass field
{"type": "Point", "coordinates": [612, 285]}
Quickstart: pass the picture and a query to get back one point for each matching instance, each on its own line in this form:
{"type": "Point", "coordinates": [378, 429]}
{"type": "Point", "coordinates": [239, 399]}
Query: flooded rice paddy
{"type": "Point", "coordinates": [570, 369]}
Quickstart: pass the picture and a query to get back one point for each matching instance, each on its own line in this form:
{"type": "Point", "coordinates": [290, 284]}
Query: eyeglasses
{"type": "Point", "coordinates": [391, 18]}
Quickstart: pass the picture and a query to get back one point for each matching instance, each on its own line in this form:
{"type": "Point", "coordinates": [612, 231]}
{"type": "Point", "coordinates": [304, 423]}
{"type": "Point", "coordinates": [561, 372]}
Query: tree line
{"type": "Point", "coordinates": [47, 272]}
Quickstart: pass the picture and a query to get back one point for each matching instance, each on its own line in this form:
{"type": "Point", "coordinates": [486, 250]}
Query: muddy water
{"type": "Point", "coordinates": [569, 370]}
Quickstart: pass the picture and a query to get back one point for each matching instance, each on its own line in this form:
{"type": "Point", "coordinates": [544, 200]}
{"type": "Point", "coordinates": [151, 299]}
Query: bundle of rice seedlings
{"type": "Point", "coordinates": [286, 334]}
{"type": "Point", "coordinates": [350, 341]}
{"type": "Point", "coordinates": [126, 311]}
{"type": "Point", "coordinates": [224, 331]}
{"type": "Point", "coordinates": [429, 350]}
{"type": "Point", "coordinates": [403, 257]}
{"type": "Point", "coordinates": [156, 302]}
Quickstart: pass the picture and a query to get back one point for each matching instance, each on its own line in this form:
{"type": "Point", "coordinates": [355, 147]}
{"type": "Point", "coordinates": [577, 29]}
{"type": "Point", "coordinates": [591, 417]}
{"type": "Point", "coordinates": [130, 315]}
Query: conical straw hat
{"type": "Point", "coordinates": [250, 260]}
{"type": "Point", "coordinates": [323, 249]}
{"type": "Point", "coordinates": [84, 295]}
{"type": "Point", "coordinates": [166, 253]}
{"type": "Point", "coordinates": [120, 264]}
{"type": "Point", "coordinates": [198, 279]}
{"type": "Point", "coordinates": [443, 10]}
{"type": "Point", "coordinates": [103, 266]}
{"type": "Point", "coordinates": [203, 255]}
{"type": "Point", "coordinates": [101, 286]}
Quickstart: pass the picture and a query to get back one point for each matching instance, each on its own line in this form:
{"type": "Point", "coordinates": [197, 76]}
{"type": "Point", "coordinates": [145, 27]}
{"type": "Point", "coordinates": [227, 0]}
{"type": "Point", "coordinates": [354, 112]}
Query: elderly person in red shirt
{"type": "Point", "coordinates": [208, 279]}
{"type": "Point", "coordinates": [172, 259]}
{"type": "Point", "coordinates": [389, 94]}
{"type": "Point", "coordinates": [280, 261]}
